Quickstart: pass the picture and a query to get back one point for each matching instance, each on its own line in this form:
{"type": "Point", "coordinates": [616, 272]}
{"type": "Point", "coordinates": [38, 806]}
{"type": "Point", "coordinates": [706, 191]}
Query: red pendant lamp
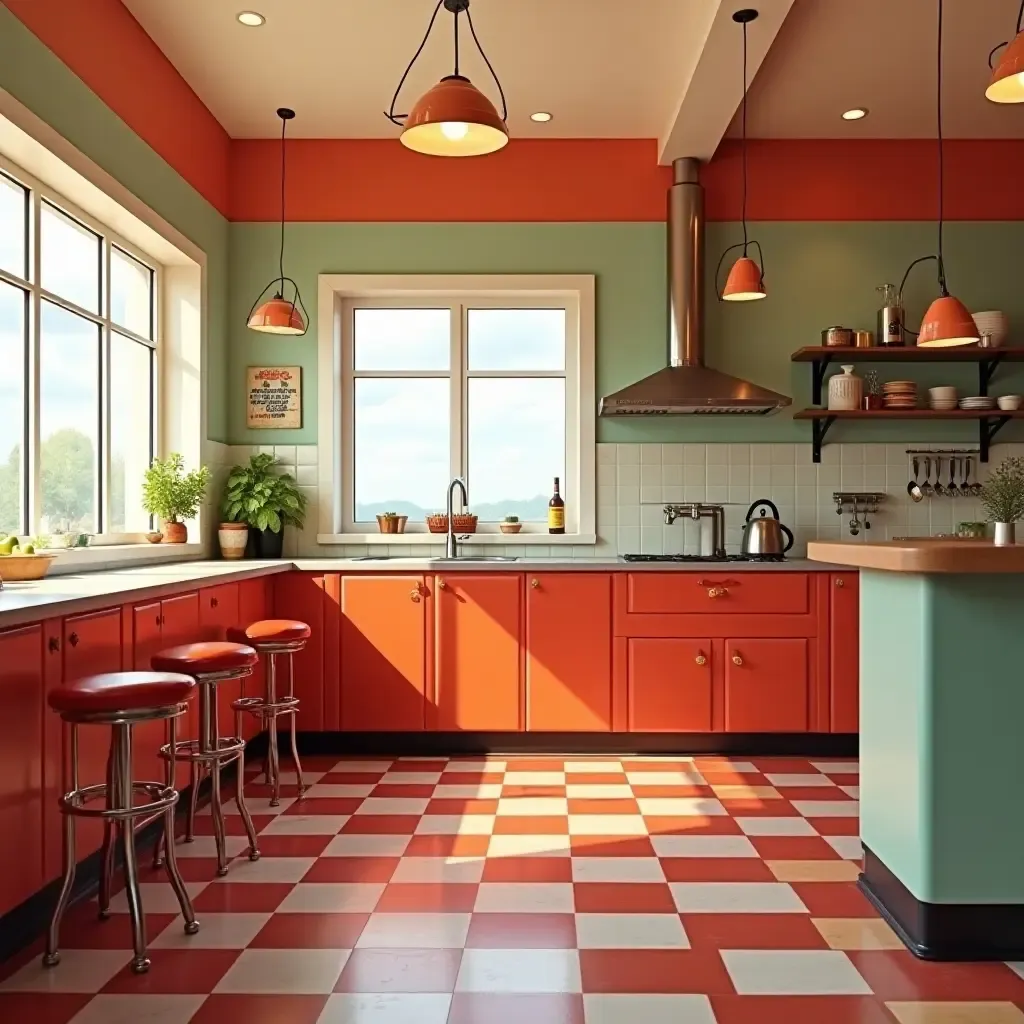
{"type": "Point", "coordinates": [454, 118]}
{"type": "Point", "coordinates": [745, 282]}
{"type": "Point", "coordinates": [1007, 84]}
{"type": "Point", "coordinates": [280, 315]}
{"type": "Point", "coordinates": [946, 323]}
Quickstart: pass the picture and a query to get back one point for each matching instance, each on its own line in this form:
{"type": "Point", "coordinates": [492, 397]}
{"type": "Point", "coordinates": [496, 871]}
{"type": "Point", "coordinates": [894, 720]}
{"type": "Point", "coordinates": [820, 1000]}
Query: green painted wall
{"type": "Point", "coordinates": [37, 78]}
{"type": "Point", "coordinates": [818, 274]}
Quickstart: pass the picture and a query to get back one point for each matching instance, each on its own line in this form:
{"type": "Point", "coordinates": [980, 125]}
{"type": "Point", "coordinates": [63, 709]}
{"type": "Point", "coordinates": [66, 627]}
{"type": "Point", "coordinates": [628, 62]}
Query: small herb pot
{"type": "Point", "coordinates": [175, 533]}
{"type": "Point", "coordinates": [872, 402]}
{"type": "Point", "coordinates": [464, 523]}
{"type": "Point", "coordinates": [510, 527]}
{"type": "Point", "coordinates": [392, 524]}
{"type": "Point", "coordinates": [437, 523]}
{"type": "Point", "coordinates": [233, 538]}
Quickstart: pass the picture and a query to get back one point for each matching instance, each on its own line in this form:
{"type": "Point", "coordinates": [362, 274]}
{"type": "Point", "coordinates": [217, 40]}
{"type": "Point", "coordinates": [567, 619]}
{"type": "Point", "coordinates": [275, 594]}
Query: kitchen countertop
{"type": "Point", "coordinates": [921, 556]}
{"type": "Point", "coordinates": [62, 595]}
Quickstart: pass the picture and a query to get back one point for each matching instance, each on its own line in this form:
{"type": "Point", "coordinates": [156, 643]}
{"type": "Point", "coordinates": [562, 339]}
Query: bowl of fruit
{"type": "Point", "coordinates": [20, 562]}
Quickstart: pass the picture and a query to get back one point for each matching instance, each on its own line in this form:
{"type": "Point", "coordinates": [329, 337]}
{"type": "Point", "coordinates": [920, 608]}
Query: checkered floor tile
{"type": "Point", "coordinates": [499, 890]}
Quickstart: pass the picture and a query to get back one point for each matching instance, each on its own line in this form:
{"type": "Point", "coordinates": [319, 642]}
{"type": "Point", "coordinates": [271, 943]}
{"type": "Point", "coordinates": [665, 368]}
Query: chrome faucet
{"type": "Point", "coordinates": [451, 548]}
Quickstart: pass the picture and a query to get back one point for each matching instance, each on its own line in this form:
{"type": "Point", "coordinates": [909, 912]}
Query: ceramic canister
{"type": "Point", "coordinates": [845, 391]}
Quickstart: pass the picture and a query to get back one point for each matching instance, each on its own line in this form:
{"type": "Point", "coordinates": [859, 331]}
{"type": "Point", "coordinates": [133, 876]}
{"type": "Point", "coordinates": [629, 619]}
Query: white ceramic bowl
{"type": "Point", "coordinates": [1010, 403]}
{"type": "Point", "coordinates": [943, 392]}
{"type": "Point", "coordinates": [993, 322]}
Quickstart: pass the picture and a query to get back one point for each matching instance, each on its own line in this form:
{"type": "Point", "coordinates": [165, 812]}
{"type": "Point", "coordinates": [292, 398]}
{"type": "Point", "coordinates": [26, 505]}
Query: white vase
{"type": "Point", "coordinates": [845, 391]}
{"type": "Point", "coordinates": [1005, 534]}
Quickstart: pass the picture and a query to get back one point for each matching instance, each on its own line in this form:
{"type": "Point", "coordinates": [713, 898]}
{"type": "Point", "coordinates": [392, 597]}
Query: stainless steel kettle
{"type": "Point", "coordinates": [763, 535]}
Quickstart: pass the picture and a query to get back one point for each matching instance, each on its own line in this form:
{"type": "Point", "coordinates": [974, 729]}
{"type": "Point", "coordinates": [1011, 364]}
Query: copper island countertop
{"type": "Point", "coordinates": [921, 556]}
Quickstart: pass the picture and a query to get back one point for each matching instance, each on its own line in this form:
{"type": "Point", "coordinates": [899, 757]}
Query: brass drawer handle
{"type": "Point", "coordinates": [701, 660]}
{"type": "Point", "coordinates": [737, 660]}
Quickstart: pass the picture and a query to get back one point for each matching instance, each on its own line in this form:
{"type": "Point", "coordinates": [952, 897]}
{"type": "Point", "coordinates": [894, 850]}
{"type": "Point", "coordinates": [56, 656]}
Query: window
{"type": "Point", "coordinates": [77, 368]}
{"type": "Point", "coordinates": [485, 383]}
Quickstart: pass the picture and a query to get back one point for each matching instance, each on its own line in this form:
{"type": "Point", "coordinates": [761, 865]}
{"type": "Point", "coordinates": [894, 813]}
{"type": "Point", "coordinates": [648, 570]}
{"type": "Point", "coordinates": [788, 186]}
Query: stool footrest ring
{"type": "Point", "coordinates": [161, 797]}
{"type": "Point", "coordinates": [261, 708]}
{"type": "Point", "coordinates": [187, 751]}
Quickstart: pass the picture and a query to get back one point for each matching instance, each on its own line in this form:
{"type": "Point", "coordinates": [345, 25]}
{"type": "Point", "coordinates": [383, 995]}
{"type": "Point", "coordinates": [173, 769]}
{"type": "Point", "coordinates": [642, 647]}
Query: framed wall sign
{"type": "Point", "coordinates": [274, 397]}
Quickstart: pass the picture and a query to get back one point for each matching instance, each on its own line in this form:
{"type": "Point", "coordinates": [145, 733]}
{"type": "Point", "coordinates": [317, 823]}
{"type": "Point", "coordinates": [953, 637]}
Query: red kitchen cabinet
{"type": "Point", "coordinates": [478, 648]}
{"type": "Point", "coordinates": [568, 652]}
{"type": "Point", "coordinates": [255, 602]}
{"type": "Point", "coordinates": [21, 764]}
{"type": "Point", "coordinates": [218, 612]}
{"type": "Point", "coordinates": [844, 652]}
{"type": "Point", "coordinates": [669, 685]}
{"type": "Point", "coordinates": [384, 653]}
{"type": "Point", "coordinates": [767, 685]}
{"type": "Point", "coordinates": [300, 595]}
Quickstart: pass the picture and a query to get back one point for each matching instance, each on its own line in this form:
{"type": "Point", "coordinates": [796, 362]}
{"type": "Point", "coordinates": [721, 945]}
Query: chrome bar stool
{"type": "Point", "coordinates": [120, 700]}
{"type": "Point", "coordinates": [274, 638]}
{"type": "Point", "coordinates": [210, 664]}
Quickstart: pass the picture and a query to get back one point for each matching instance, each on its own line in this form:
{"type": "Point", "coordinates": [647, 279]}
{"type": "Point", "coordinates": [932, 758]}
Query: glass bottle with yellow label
{"type": "Point", "coordinates": [556, 512]}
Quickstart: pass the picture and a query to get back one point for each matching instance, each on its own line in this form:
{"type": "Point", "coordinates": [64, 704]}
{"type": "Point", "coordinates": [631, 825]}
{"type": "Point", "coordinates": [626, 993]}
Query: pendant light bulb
{"type": "Point", "coordinates": [1007, 83]}
{"type": "Point", "coordinates": [280, 315]}
{"type": "Point", "coordinates": [454, 118]}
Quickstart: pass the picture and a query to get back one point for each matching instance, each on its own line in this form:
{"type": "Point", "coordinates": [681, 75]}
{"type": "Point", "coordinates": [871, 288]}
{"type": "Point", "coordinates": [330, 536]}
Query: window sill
{"type": "Point", "coordinates": [435, 539]}
{"type": "Point", "coordinates": [120, 556]}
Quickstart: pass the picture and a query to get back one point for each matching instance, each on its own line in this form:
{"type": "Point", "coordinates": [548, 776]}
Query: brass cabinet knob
{"type": "Point", "coordinates": [840, 583]}
{"type": "Point", "coordinates": [701, 660]}
{"type": "Point", "coordinates": [441, 584]}
{"type": "Point", "coordinates": [535, 583]}
{"type": "Point", "coordinates": [737, 660]}
{"type": "Point", "coordinates": [717, 591]}
{"type": "Point", "coordinates": [415, 597]}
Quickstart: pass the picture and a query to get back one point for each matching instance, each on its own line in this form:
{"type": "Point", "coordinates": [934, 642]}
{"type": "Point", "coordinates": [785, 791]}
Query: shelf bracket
{"type": "Point", "coordinates": [819, 429]}
{"type": "Point", "coordinates": [987, 430]}
{"type": "Point", "coordinates": [986, 368]}
{"type": "Point", "coordinates": [818, 368]}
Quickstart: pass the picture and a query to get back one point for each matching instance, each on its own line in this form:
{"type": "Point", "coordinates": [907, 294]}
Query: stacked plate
{"type": "Point", "coordinates": [942, 398]}
{"type": "Point", "coordinates": [899, 394]}
{"type": "Point", "coordinates": [978, 404]}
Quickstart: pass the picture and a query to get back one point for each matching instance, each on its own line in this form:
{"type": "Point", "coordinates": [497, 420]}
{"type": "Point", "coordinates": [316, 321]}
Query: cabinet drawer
{"type": "Point", "coordinates": [718, 592]}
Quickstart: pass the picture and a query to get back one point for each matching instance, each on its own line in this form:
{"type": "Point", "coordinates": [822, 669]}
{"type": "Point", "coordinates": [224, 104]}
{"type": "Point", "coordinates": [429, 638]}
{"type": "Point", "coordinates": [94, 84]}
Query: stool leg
{"type": "Point", "coordinates": [123, 776]}
{"type": "Point", "coordinates": [52, 956]}
{"type": "Point", "coordinates": [209, 744]}
{"type": "Point", "coordinates": [171, 862]}
{"type": "Point", "coordinates": [195, 773]}
{"type": "Point", "coordinates": [273, 760]}
{"type": "Point", "coordinates": [243, 810]}
{"type": "Point", "coordinates": [109, 836]}
{"type": "Point", "coordinates": [294, 723]}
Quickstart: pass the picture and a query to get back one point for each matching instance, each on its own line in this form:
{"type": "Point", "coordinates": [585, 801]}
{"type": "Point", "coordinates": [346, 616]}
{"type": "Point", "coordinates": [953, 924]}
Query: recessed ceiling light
{"type": "Point", "coordinates": [856, 114]}
{"type": "Point", "coordinates": [541, 116]}
{"type": "Point", "coordinates": [253, 19]}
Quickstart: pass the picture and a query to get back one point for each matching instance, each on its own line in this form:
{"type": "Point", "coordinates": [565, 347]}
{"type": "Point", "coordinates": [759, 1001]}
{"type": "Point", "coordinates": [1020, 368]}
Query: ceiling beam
{"type": "Point", "coordinates": [714, 90]}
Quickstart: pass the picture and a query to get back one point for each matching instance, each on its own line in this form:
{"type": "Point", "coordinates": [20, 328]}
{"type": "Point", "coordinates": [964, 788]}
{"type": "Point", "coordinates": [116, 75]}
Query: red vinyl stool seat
{"type": "Point", "coordinates": [275, 638]}
{"type": "Point", "coordinates": [120, 700]}
{"type": "Point", "coordinates": [210, 664]}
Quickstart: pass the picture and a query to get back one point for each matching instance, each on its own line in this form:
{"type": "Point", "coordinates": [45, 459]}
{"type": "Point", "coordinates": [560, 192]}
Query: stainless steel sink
{"type": "Point", "coordinates": [435, 558]}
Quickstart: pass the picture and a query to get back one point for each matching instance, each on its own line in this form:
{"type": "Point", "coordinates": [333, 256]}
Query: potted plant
{"type": "Point", "coordinates": [173, 495]}
{"type": "Point", "coordinates": [510, 524]}
{"type": "Point", "coordinates": [266, 501]}
{"type": "Point", "coordinates": [872, 390]}
{"type": "Point", "coordinates": [1003, 498]}
{"type": "Point", "coordinates": [391, 522]}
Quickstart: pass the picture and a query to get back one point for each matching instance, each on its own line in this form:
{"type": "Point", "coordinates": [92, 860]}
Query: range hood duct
{"type": "Point", "coordinates": [686, 386]}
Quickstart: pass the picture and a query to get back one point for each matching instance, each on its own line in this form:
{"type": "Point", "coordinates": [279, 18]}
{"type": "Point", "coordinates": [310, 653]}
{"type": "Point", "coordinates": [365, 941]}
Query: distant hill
{"type": "Point", "coordinates": [530, 510]}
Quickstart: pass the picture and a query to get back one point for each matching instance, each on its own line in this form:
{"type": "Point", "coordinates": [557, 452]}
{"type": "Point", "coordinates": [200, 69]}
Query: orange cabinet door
{"type": "Point", "coordinates": [92, 643]}
{"type": "Point", "coordinates": [477, 642]}
{"type": "Point", "coordinates": [669, 685]}
{"type": "Point", "coordinates": [568, 652]}
{"type": "Point", "coordinates": [383, 653]}
{"type": "Point", "coordinates": [21, 765]}
{"type": "Point", "coordinates": [767, 685]}
{"type": "Point", "coordinates": [254, 603]}
{"type": "Point", "coordinates": [844, 652]}
{"type": "Point", "coordinates": [300, 595]}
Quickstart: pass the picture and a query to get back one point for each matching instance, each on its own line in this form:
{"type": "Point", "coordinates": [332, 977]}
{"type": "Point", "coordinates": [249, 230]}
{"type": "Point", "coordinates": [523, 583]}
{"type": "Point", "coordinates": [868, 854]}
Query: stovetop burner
{"type": "Point", "coordinates": [703, 558]}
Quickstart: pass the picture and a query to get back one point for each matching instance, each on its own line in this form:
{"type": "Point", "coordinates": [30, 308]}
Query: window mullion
{"type": "Point", "coordinates": [33, 474]}
{"type": "Point", "coordinates": [103, 509]}
{"type": "Point", "coordinates": [457, 437]}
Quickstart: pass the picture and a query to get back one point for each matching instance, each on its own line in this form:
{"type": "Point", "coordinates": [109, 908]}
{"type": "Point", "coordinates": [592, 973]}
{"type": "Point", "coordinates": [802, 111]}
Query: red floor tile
{"type": "Point", "coordinates": [597, 778]}
{"type": "Point", "coordinates": [233, 825]}
{"type": "Point", "coordinates": [834, 899]}
{"type": "Point", "coordinates": [784, 765]}
{"type": "Point", "coordinates": [324, 805]}
{"type": "Point", "coordinates": [527, 869]}
{"type": "Point", "coordinates": [692, 825]}
{"type": "Point", "coordinates": [516, 1008]}
{"type": "Point", "coordinates": [400, 970]}
{"type": "Point", "coordinates": [381, 824]}
{"type": "Point", "coordinates": [793, 848]}
{"type": "Point", "coordinates": [654, 971]}
{"type": "Point", "coordinates": [343, 778]}
{"type": "Point", "coordinates": [437, 764]}
{"type": "Point", "coordinates": [815, 793]}
{"type": "Point", "coordinates": [706, 792]}
{"type": "Point", "coordinates": [176, 971]}
{"type": "Point", "coordinates": [242, 897]}
{"type": "Point", "coordinates": [899, 975]}
{"type": "Point", "coordinates": [471, 778]}
{"type": "Point", "coordinates": [83, 929]}
{"type": "Point", "coordinates": [534, 764]}
{"type": "Point", "coordinates": [836, 826]}
{"type": "Point", "coordinates": [40, 1007]}
{"type": "Point", "coordinates": [522, 931]}
{"type": "Point", "coordinates": [352, 869]}
{"type": "Point", "coordinates": [291, 1009]}
{"type": "Point", "coordinates": [716, 869]}
{"type": "Point", "coordinates": [310, 931]}
{"type": "Point", "coordinates": [598, 805]}
{"type": "Point", "coordinates": [193, 869]}
{"type": "Point", "coordinates": [756, 807]}
{"type": "Point", "coordinates": [448, 846]}
{"type": "Point", "coordinates": [457, 806]}
{"type": "Point", "coordinates": [752, 931]}
{"type": "Point", "coordinates": [510, 824]}
{"type": "Point", "coordinates": [845, 779]}
{"type": "Point", "coordinates": [611, 846]}
{"type": "Point", "coordinates": [401, 790]}
{"type": "Point", "coordinates": [292, 846]}
{"type": "Point", "coordinates": [799, 1010]}
{"type": "Point", "coordinates": [427, 898]}
{"type": "Point", "coordinates": [660, 765]}
{"type": "Point", "coordinates": [623, 898]}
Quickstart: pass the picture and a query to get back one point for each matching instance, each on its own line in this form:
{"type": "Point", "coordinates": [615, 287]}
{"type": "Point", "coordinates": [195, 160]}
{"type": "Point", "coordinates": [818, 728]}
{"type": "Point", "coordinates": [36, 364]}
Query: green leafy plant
{"type": "Point", "coordinates": [1003, 493]}
{"type": "Point", "coordinates": [171, 493]}
{"type": "Point", "coordinates": [389, 515]}
{"type": "Point", "coordinates": [511, 519]}
{"type": "Point", "coordinates": [872, 383]}
{"type": "Point", "coordinates": [262, 496]}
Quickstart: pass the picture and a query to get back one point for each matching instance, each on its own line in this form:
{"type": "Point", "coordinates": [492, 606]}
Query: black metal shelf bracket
{"type": "Point", "coordinates": [818, 368]}
{"type": "Point", "coordinates": [819, 429]}
{"type": "Point", "coordinates": [986, 368]}
{"type": "Point", "coordinates": [987, 430]}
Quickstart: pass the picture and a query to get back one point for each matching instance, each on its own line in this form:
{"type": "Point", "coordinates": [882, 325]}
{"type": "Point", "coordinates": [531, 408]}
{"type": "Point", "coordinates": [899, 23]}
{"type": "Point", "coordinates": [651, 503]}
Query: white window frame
{"type": "Point", "coordinates": [339, 295]}
{"type": "Point", "coordinates": [38, 193]}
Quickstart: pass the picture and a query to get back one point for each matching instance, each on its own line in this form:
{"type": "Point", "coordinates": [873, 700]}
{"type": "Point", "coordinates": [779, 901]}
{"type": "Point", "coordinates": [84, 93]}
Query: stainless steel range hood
{"type": "Point", "coordinates": [686, 385]}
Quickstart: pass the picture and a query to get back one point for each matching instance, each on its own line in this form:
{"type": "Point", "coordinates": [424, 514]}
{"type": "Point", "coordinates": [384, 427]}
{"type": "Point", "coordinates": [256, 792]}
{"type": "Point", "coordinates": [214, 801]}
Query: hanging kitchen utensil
{"type": "Point", "coordinates": [914, 487]}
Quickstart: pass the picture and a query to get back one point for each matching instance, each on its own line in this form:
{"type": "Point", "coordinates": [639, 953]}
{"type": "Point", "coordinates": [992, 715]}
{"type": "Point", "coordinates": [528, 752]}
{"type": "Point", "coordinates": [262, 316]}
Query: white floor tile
{"type": "Point", "coordinates": [607, 825]}
{"type": "Point", "coordinates": [533, 806]}
{"type": "Point", "coordinates": [736, 898]}
{"type": "Point", "coordinates": [412, 778]}
{"type": "Point", "coordinates": [339, 791]}
{"type": "Point", "coordinates": [332, 898]}
{"type": "Point", "coordinates": [592, 767]}
{"type": "Point", "coordinates": [528, 846]}
{"type": "Point", "coordinates": [133, 1009]}
{"type": "Point", "coordinates": [216, 931]}
{"type": "Point", "coordinates": [695, 806]}
{"type": "Point", "coordinates": [792, 826]}
{"type": "Point", "coordinates": [468, 791]}
{"type": "Point", "coordinates": [206, 846]}
{"type": "Point", "coordinates": [848, 847]}
{"type": "Point", "coordinates": [439, 869]}
{"type": "Point", "coordinates": [306, 825]}
{"type": "Point", "coordinates": [787, 972]}
{"type": "Point", "coordinates": [580, 789]}
{"type": "Point", "coordinates": [827, 808]}
{"type": "Point", "coordinates": [415, 931]}
{"type": "Point", "coordinates": [157, 897]}
{"type": "Point", "coordinates": [476, 767]}
{"type": "Point", "coordinates": [630, 931]}
{"type": "Point", "coordinates": [519, 970]}
{"type": "Point", "coordinates": [617, 869]}
{"type": "Point", "coordinates": [285, 971]}
{"type": "Point", "coordinates": [838, 767]}
{"type": "Point", "coordinates": [703, 846]}
{"type": "Point", "coordinates": [357, 845]}
{"type": "Point", "coordinates": [362, 766]}
{"type": "Point", "coordinates": [387, 1008]}
{"type": "Point", "coordinates": [393, 805]}
{"type": "Point", "coordinates": [736, 767]}
{"type": "Point", "coordinates": [520, 898]}
{"type": "Point", "coordinates": [455, 825]}
{"type": "Point", "coordinates": [514, 778]}
{"type": "Point", "coordinates": [80, 970]}
{"type": "Point", "coordinates": [673, 778]}
{"type": "Point", "coordinates": [817, 779]}
{"type": "Point", "coordinates": [267, 869]}
{"type": "Point", "coordinates": [647, 1009]}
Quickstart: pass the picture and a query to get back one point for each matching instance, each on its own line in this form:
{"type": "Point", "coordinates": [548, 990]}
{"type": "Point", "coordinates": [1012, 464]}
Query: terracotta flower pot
{"type": "Point", "coordinates": [233, 538]}
{"type": "Point", "coordinates": [510, 527]}
{"type": "Point", "coordinates": [175, 533]}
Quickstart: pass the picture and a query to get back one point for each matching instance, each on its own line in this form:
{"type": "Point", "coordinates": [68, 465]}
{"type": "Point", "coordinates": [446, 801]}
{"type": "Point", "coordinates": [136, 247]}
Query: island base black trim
{"type": "Point", "coordinates": [943, 931]}
{"type": "Point", "coordinates": [448, 744]}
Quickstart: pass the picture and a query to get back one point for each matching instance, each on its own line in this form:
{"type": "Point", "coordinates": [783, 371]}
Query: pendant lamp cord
{"type": "Point", "coordinates": [456, 20]}
{"type": "Point", "coordinates": [743, 208]}
{"type": "Point", "coordinates": [501, 92]}
{"type": "Point", "coordinates": [390, 113]}
{"type": "Point", "coordinates": [938, 117]}
{"type": "Point", "coordinates": [998, 47]}
{"type": "Point", "coordinates": [280, 266]}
